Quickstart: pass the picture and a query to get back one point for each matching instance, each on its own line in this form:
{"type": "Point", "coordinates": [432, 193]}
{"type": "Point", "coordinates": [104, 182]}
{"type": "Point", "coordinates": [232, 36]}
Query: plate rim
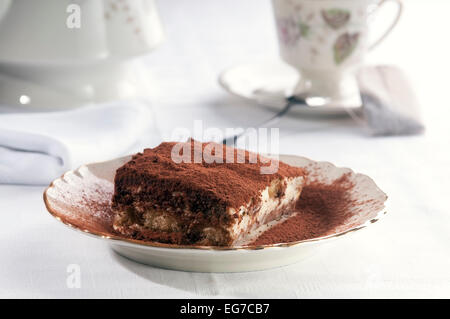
{"type": "Point", "coordinates": [324, 110]}
{"type": "Point", "coordinates": [116, 239]}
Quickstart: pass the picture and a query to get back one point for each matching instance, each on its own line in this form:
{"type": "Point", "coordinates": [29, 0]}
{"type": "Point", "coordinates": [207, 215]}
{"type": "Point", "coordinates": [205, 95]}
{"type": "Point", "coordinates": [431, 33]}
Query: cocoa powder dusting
{"type": "Point", "coordinates": [320, 209]}
{"type": "Point", "coordinates": [211, 180]}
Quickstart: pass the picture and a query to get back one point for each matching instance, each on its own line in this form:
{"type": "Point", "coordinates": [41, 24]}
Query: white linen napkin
{"type": "Point", "coordinates": [35, 148]}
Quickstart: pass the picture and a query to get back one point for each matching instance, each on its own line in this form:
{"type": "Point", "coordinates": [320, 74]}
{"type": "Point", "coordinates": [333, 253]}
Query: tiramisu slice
{"type": "Point", "coordinates": [210, 201]}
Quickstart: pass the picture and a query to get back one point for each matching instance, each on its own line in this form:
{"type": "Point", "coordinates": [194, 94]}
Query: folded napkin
{"type": "Point", "coordinates": [35, 148]}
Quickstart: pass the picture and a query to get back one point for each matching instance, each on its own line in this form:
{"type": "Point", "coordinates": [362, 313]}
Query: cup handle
{"type": "Point", "coordinates": [393, 24]}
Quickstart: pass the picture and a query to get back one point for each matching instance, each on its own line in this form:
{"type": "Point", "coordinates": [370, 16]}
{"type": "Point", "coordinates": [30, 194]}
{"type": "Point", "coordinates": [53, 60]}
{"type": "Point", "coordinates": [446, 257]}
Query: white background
{"type": "Point", "coordinates": [407, 254]}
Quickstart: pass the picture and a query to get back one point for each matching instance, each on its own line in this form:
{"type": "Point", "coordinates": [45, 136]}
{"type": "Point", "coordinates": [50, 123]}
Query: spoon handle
{"type": "Point", "coordinates": [290, 101]}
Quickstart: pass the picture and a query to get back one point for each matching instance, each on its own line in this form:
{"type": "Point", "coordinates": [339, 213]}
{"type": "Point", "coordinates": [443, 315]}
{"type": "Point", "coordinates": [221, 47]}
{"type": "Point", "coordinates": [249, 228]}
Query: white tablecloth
{"type": "Point", "coordinates": [405, 255]}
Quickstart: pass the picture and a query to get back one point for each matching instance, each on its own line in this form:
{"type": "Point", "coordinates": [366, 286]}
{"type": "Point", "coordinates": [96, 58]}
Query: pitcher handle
{"type": "Point", "coordinates": [392, 25]}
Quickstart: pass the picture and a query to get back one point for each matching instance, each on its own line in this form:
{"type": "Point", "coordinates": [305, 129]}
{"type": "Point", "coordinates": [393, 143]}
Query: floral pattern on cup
{"type": "Point", "coordinates": [344, 46]}
{"type": "Point", "coordinates": [330, 32]}
{"type": "Point", "coordinates": [336, 18]}
{"type": "Point", "coordinates": [290, 30]}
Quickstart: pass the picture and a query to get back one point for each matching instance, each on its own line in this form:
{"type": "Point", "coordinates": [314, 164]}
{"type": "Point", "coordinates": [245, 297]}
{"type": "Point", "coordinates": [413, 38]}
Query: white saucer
{"type": "Point", "coordinates": [278, 78]}
{"type": "Point", "coordinates": [81, 199]}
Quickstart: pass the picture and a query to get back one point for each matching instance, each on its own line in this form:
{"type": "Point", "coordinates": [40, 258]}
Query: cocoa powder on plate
{"type": "Point", "coordinates": [320, 209]}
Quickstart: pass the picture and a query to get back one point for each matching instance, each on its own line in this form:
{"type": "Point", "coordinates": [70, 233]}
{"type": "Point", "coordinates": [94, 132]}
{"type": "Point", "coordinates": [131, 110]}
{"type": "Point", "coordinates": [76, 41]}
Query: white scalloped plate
{"type": "Point", "coordinates": [81, 199]}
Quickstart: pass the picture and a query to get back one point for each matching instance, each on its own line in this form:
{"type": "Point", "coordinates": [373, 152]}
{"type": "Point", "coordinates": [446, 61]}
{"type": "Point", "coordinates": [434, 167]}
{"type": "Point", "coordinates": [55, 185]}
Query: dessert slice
{"type": "Point", "coordinates": [211, 201]}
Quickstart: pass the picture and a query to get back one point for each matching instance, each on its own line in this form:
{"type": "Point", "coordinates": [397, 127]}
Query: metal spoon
{"type": "Point", "coordinates": [288, 102]}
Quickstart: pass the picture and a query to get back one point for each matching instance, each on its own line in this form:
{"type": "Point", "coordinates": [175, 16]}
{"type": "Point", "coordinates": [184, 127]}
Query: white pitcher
{"type": "Point", "coordinates": [40, 31]}
{"type": "Point", "coordinates": [73, 49]}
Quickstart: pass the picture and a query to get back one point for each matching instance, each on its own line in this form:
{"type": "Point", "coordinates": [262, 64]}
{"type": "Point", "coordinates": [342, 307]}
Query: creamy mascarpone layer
{"type": "Point", "coordinates": [250, 226]}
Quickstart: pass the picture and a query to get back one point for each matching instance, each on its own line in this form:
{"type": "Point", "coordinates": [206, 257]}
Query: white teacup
{"type": "Point", "coordinates": [325, 40]}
